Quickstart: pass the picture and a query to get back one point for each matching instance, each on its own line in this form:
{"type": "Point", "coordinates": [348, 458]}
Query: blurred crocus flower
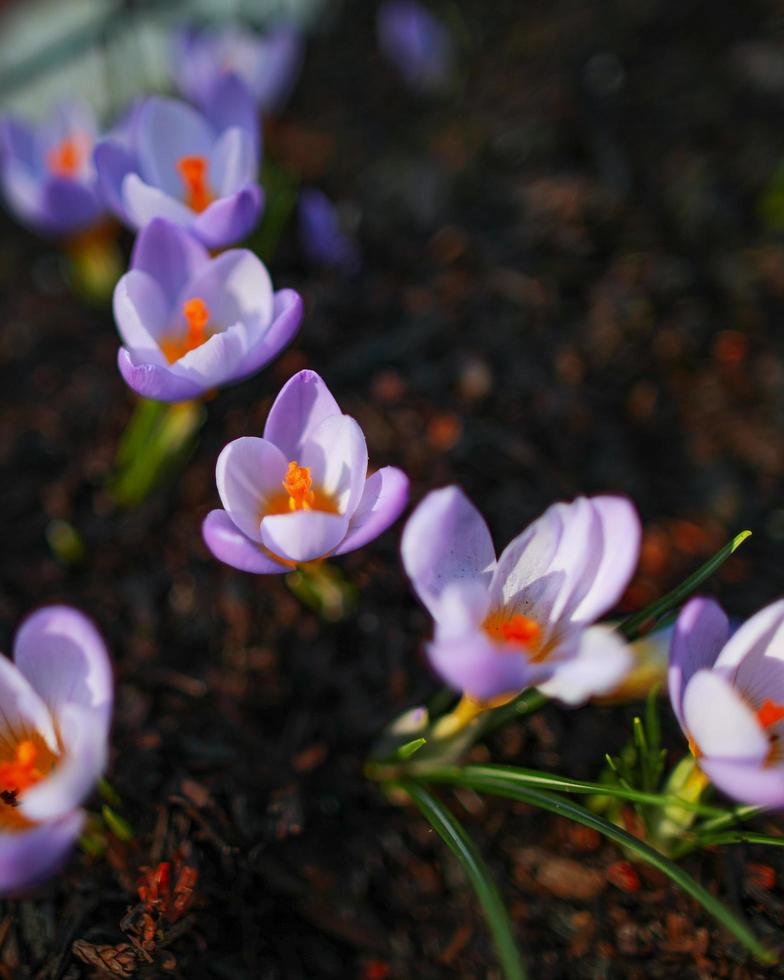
{"type": "Point", "coordinates": [524, 619]}
{"type": "Point", "coordinates": [197, 170]}
{"type": "Point", "coordinates": [47, 172]}
{"type": "Point", "coordinates": [191, 323]}
{"type": "Point", "coordinates": [417, 43]}
{"type": "Point", "coordinates": [323, 241]}
{"type": "Point", "coordinates": [267, 63]}
{"type": "Point", "coordinates": [55, 704]}
{"type": "Point", "coordinates": [301, 492]}
{"type": "Point", "coordinates": [728, 695]}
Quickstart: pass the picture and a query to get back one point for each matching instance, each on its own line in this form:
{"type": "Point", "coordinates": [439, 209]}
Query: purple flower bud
{"type": "Point", "coordinates": [196, 170]}
{"type": "Point", "coordinates": [55, 704]}
{"type": "Point", "coordinates": [417, 43]}
{"type": "Point", "coordinates": [267, 63]}
{"type": "Point", "coordinates": [728, 695]}
{"type": "Point", "coordinates": [191, 323]}
{"type": "Point", "coordinates": [47, 172]}
{"type": "Point", "coordinates": [301, 492]}
{"type": "Point", "coordinates": [525, 619]}
{"type": "Point", "coordinates": [323, 241]}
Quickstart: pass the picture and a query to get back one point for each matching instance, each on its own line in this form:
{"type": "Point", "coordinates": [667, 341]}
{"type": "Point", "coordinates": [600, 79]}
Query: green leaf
{"type": "Point", "coordinates": [643, 621]}
{"type": "Point", "coordinates": [740, 837]}
{"type": "Point", "coordinates": [117, 824]}
{"type": "Point", "coordinates": [407, 750]}
{"type": "Point", "coordinates": [452, 833]}
{"type": "Point", "coordinates": [499, 786]}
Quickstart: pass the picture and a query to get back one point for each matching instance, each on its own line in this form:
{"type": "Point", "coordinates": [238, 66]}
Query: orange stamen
{"type": "Point", "coordinates": [770, 713]}
{"type": "Point", "coordinates": [197, 316]}
{"type": "Point", "coordinates": [297, 484]}
{"type": "Point", "coordinates": [519, 629]}
{"type": "Point", "coordinates": [193, 171]}
{"type": "Point", "coordinates": [65, 159]}
{"type": "Point", "coordinates": [22, 772]}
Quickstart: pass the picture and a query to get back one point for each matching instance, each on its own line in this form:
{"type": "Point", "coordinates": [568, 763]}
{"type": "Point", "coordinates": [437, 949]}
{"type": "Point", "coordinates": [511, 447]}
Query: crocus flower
{"type": "Point", "coordinates": [197, 170]}
{"type": "Point", "coordinates": [301, 492]}
{"type": "Point", "coordinates": [417, 43]}
{"type": "Point", "coordinates": [47, 172]}
{"type": "Point", "coordinates": [191, 323]}
{"type": "Point", "coordinates": [267, 63]}
{"type": "Point", "coordinates": [525, 619]}
{"type": "Point", "coordinates": [323, 241]}
{"type": "Point", "coordinates": [55, 703]}
{"type": "Point", "coordinates": [728, 695]}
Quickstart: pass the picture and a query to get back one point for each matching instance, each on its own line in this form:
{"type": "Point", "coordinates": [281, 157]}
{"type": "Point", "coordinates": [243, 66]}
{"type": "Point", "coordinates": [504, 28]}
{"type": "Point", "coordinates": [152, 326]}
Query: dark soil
{"type": "Point", "coordinates": [573, 281]}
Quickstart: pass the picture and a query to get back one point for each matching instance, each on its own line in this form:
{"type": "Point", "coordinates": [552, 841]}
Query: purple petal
{"type": "Point", "coordinates": [462, 609]}
{"type": "Point", "coordinates": [236, 288]}
{"type": "Point", "coordinates": [230, 219]}
{"type": "Point", "coordinates": [22, 710]}
{"type": "Point", "coordinates": [233, 163]}
{"type": "Point", "coordinates": [141, 314]}
{"type": "Point", "coordinates": [248, 472]}
{"type": "Point", "coordinates": [23, 193]}
{"type": "Point", "coordinates": [577, 556]}
{"type": "Point", "coordinates": [599, 665]}
{"type": "Point", "coordinates": [168, 254]}
{"type": "Point", "coordinates": [142, 203]}
{"type": "Point", "coordinates": [113, 162]}
{"type": "Point", "coordinates": [229, 104]}
{"type": "Point", "coordinates": [167, 131]}
{"type": "Point", "coordinates": [68, 205]}
{"type": "Point", "coordinates": [216, 361]}
{"type": "Point", "coordinates": [83, 739]}
{"type": "Point", "coordinates": [156, 381]}
{"type": "Point", "coordinates": [336, 453]}
{"type": "Point", "coordinates": [303, 402]}
{"type": "Point", "coordinates": [478, 667]}
{"type": "Point", "coordinates": [303, 535]}
{"type": "Point", "coordinates": [445, 540]}
{"type": "Point", "coordinates": [287, 313]}
{"type": "Point", "coordinates": [701, 631]}
{"type": "Point", "coordinates": [618, 557]}
{"type": "Point", "coordinates": [30, 857]}
{"type": "Point", "coordinates": [719, 720]}
{"type": "Point", "coordinates": [18, 144]}
{"type": "Point", "coordinates": [64, 657]}
{"type": "Point", "coordinates": [384, 497]}
{"type": "Point", "coordinates": [747, 782]}
{"type": "Point", "coordinates": [417, 43]}
{"type": "Point", "coordinates": [753, 640]}
{"type": "Point", "coordinates": [228, 544]}
{"type": "Point", "coordinates": [323, 241]}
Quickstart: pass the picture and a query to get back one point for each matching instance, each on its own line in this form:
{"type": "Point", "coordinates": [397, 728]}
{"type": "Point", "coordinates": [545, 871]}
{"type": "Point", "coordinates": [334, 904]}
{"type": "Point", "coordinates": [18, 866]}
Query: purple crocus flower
{"type": "Point", "coordinates": [301, 492]}
{"type": "Point", "coordinates": [197, 170]}
{"type": "Point", "coordinates": [47, 172]}
{"type": "Point", "coordinates": [55, 704]}
{"type": "Point", "coordinates": [728, 695]}
{"type": "Point", "coordinates": [191, 323]}
{"type": "Point", "coordinates": [323, 241]}
{"type": "Point", "coordinates": [417, 43]}
{"type": "Point", "coordinates": [267, 63]}
{"type": "Point", "coordinates": [524, 619]}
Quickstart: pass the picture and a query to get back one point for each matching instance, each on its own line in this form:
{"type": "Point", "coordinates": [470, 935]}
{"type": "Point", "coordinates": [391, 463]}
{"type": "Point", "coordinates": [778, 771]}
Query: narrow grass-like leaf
{"type": "Point", "coordinates": [452, 833]}
{"type": "Point", "coordinates": [407, 750]}
{"type": "Point", "coordinates": [498, 786]}
{"type": "Point", "coordinates": [740, 837]}
{"type": "Point", "coordinates": [644, 620]}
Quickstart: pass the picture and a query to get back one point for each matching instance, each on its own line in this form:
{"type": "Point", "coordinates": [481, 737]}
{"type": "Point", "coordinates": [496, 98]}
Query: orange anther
{"type": "Point", "coordinates": [21, 773]}
{"type": "Point", "coordinates": [65, 159]}
{"type": "Point", "coordinates": [198, 316]}
{"type": "Point", "coordinates": [770, 713]}
{"type": "Point", "coordinates": [297, 484]}
{"type": "Point", "coordinates": [519, 629]}
{"type": "Point", "coordinates": [193, 171]}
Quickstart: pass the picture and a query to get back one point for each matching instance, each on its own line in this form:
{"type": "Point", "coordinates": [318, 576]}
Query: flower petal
{"type": "Point", "coordinates": [83, 738]}
{"type": "Point", "coordinates": [233, 163]}
{"type": "Point", "coordinates": [141, 315]}
{"type": "Point", "coordinates": [383, 500]}
{"type": "Point", "coordinates": [445, 540]}
{"type": "Point", "coordinates": [156, 381]}
{"type": "Point", "coordinates": [303, 535]}
{"type": "Point", "coordinates": [167, 131]}
{"type": "Point", "coordinates": [701, 631]}
{"type": "Point", "coordinates": [229, 545]}
{"type": "Point", "coordinates": [142, 202]}
{"type": "Point", "coordinates": [303, 402]}
{"type": "Point", "coordinates": [759, 637]}
{"type": "Point", "coordinates": [230, 219]}
{"type": "Point", "coordinates": [235, 288]}
{"type": "Point", "coordinates": [287, 313]}
{"type": "Point", "coordinates": [478, 667]}
{"type": "Point", "coordinates": [64, 657]}
{"type": "Point", "coordinates": [336, 453]}
{"type": "Point", "coordinates": [113, 163]}
{"type": "Point", "coordinates": [599, 664]}
{"type": "Point", "coordinates": [68, 205]}
{"type": "Point", "coordinates": [29, 857]}
{"type": "Point", "coordinates": [249, 470]}
{"type": "Point", "coordinates": [747, 782]}
{"type": "Point", "coordinates": [229, 104]}
{"type": "Point", "coordinates": [170, 255]}
{"type": "Point", "coordinates": [720, 722]}
{"type": "Point", "coordinates": [22, 711]}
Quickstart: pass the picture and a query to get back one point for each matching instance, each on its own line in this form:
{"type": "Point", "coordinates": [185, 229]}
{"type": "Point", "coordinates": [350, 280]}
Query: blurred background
{"type": "Point", "coordinates": [561, 272]}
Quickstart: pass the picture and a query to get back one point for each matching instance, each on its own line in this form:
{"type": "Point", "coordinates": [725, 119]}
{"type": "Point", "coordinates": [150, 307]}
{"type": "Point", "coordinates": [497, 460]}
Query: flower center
{"type": "Point", "coordinates": [197, 316]}
{"type": "Point", "coordinates": [193, 172]}
{"type": "Point", "coordinates": [518, 630]}
{"type": "Point", "coordinates": [30, 762]}
{"type": "Point", "coordinates": [299, 493]}
{"type": "Point", "coordinates": [66, 158]}
{"type": "Point", "coordinates": [298, 485]}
